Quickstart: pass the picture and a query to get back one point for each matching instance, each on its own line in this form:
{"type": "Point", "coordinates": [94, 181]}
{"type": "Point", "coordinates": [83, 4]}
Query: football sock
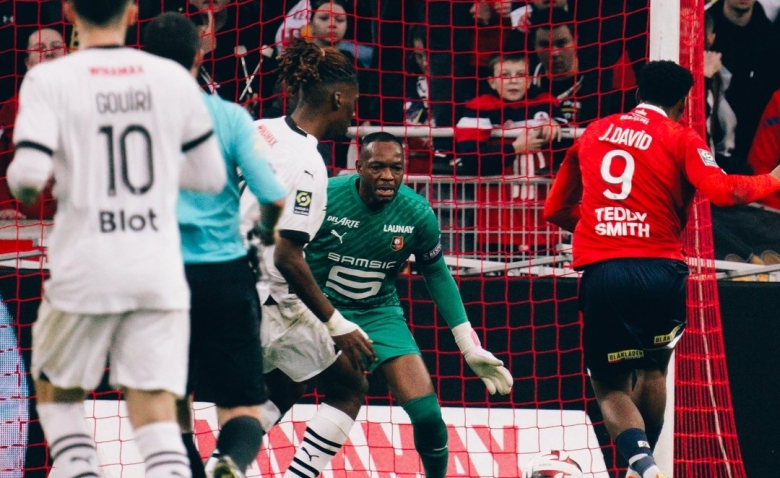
{"type": "Point", "coordinates": [269, 415]}
{"type": "Point", "coordinates": [632, 444]}
{"type": "Point", "coordinates": [196, 463]}
{"type": "Point", "coordinates": [71, 446]}
{"type": "Point", "coordinates": [430, 434]}
{"type": "Point", "coordinates": [240, 439]}
{"type": "Point", "coordinates": [325, 434]}
{"type": "Point", "coordinates": [211, 462]}
{"type": "Point", "coordinates": [162, 449]}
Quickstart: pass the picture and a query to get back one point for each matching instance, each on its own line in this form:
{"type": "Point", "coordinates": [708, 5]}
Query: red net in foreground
{"type": "Point", "coordinates": [425, 70]}
{"type": "Point", "coordinates": [705, 435]}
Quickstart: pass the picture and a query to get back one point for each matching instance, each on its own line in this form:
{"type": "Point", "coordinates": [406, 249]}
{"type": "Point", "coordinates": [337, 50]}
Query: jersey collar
{"type": "Point", "coordinates": [650, 107]}
{"type": "Point", "coordinates": [293, 126]}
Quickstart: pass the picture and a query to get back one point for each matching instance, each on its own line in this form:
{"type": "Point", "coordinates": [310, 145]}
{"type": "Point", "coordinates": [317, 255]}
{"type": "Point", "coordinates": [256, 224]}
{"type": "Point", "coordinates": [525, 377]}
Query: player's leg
{"type": "Point", "coordinates": [623, 302]}
{"type": "Point", "coordinates": [344, 390]}
{"type": "Point", "coordinates": [649, 396]}
{"type": "Point", "coordinates": [400, 364]}
{"type": "Point", "coordinates": [410, 383]}
{"type": "Point", "coordinates": [69, 356]}
{"type": "Point", "coordinates": [297, 349]}
{"type": "Point", "coordinates": [623, 420]}
{"type": "Point", "coordinates": [663, 326]}
{"type": "Point", "coordinates": [61, 414]}
{"type": "Point", "coordinates": [186, 426]}
{"type": "Point", "coordinates": [149, 362]}
{"type": "Point", "coordinates": [227, 358]}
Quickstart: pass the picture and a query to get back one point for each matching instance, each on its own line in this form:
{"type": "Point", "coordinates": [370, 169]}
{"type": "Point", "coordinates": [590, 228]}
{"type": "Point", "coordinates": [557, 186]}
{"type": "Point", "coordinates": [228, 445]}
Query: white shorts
{"type": "Point", "coordinates": [295, 341]}
{"type": "Point", "coordinates": [148, 349]}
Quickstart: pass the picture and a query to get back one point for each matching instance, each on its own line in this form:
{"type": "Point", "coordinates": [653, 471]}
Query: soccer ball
{"type": "Point", "coordinates": [556, 464]}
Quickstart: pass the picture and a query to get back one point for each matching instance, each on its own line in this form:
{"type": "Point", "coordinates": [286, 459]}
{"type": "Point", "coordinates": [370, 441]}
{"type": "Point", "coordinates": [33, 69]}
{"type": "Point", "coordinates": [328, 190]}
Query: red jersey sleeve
{"type": "Point", "coordinates": [562, 206]}
{"type": "Point", "coordinates": [698, 161]}
{"type": "Point", "coordinates": [765, 153]}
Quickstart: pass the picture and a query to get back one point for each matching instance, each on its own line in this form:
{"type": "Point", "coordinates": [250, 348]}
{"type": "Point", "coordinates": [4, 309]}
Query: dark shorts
{"type": "Point", "coordinates": [226, 359]}
{"type": "Point", "coordinates": [634, 313]}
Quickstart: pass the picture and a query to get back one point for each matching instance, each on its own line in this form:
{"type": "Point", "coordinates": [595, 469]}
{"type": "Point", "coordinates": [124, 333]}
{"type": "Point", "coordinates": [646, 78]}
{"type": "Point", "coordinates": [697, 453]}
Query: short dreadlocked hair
{"type": "Point", "coordinates": [307, 68]}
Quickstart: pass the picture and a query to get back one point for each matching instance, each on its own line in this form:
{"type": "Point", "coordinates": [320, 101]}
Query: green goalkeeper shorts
{"type": "Point", "coordinates": [387, 327]}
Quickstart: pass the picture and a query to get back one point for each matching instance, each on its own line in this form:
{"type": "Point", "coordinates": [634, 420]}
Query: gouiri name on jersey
{"type": "Point", "coordinates": [132, 99]}
{"type": "Point", "coordinates": [620, 221]}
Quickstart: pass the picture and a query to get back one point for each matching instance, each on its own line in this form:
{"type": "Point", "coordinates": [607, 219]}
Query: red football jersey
{"type": "Point", "coordinates": [634, 176]}
{"type": "Point", "coordinates": [765, 152]}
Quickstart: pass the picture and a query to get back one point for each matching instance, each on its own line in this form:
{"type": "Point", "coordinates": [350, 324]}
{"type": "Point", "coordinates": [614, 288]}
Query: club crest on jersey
{"type": "Point", "coordinates": [302, 203]}
{"type": "Point", "coordinates": [397, 243]}
{"type": "Point", "coordinates": [707, 157]}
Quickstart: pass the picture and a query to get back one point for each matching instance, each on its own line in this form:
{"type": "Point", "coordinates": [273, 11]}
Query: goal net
{"type": "Point", "coordinates": [426, 74]}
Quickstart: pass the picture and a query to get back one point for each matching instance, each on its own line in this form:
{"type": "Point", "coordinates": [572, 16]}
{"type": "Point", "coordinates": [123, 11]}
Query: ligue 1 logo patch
{"type": "Point", "coordinates": [302, 203]}
{"type": "Point", "coordinates": [707, 157]}
{"type": "Point", "coordinates": [397, 243]}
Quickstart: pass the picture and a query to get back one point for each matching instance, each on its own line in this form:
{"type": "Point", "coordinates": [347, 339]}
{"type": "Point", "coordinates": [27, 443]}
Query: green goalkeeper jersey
{"type": "Point", "coordinates": [357, 253]}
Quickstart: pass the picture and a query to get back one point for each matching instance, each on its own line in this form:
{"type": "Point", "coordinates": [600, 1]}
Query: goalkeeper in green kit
{"type": "Point", "coordinates": [372, 225]}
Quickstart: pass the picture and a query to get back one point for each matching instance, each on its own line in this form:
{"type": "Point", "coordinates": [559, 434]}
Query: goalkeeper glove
{"type": "Point", "coordinates": [490, 369]}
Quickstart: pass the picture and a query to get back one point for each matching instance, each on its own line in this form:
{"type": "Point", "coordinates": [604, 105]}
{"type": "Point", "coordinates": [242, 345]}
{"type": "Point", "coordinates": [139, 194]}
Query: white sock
{"type": "Point", "coordinates": [163, 451]}
{"type": "Point", "coordinates": [71, 446]}
{"type": "Point", "coordinates": [269, 415]}
{"type": "Point", "coordinates": [326, 433]}
{"type": "Point", "coordinates": [211, 462]}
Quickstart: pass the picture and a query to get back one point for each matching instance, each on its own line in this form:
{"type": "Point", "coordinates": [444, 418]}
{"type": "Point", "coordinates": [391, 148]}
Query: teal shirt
{"type": "Point", "coordinates": [209, 224]}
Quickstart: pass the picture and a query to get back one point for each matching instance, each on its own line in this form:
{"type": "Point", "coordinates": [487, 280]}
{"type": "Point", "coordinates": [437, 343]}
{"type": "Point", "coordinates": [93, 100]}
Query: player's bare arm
{"type": "Point", "coordinates": [289, 259]}
{"type": "Point", "coordinates": [269, 216]}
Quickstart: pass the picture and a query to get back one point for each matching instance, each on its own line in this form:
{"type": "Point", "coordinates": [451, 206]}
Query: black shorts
{"type": "Point", "coordinates": [634, 313]}
{"type": "Point", "coordinates": [226, 359]}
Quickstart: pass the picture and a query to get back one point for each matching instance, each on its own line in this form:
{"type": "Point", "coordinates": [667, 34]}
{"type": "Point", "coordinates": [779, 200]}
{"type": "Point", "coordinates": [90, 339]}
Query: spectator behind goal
{"type": "Point", "coordinates": [43, 45]}
{"type": "Point", "coordinates": [508, 224]}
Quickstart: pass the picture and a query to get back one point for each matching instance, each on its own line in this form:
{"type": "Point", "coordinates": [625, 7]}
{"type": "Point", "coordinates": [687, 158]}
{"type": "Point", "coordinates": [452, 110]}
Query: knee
{"type": "Point", "coordinates": [349, 387]}
{"type": "Point", "coordinates": [425, 415]}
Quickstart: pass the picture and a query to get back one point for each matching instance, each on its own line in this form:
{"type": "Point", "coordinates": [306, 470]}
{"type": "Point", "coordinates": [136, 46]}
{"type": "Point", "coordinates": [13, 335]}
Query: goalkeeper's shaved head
{"type": "Point", "coordinates": [100, 12]}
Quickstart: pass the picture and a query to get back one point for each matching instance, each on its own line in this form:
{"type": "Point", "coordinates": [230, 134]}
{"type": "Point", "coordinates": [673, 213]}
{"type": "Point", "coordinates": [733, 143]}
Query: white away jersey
{"type": "Point", "coordinates": [300, 168]}
{"type": "Point", "coordinates": [115, 122]}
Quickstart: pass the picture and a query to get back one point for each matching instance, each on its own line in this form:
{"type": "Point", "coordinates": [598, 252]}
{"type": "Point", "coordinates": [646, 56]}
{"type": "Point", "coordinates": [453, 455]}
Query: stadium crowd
{"type": "Point", "coordinates": [527, 68]}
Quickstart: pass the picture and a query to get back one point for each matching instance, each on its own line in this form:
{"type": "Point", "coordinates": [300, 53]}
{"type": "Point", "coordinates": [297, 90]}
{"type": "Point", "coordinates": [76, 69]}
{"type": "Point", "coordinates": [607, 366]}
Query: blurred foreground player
{"type": "Point", "coordinates": [625, 189]}
{"type": "Point", "coordinates": [111, 123]}
{"type": "Point", "coordinates": [226, 366]}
